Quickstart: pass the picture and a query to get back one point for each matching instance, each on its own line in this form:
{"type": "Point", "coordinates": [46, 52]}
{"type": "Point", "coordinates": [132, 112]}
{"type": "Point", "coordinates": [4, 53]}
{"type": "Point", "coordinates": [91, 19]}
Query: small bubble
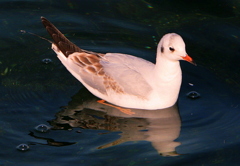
{"type": "Point", "coordinates": [47, 60]}
{"type": "Point", "coordinates": [23, 147]}
{"type": "Point", "coordinates": [42, 128]}
{"type": "Point", "coordinates": [193, 95]}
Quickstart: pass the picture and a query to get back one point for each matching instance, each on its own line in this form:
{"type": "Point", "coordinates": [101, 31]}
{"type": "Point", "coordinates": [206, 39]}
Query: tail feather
{"type": "Point", "coordinates": [63, 44]}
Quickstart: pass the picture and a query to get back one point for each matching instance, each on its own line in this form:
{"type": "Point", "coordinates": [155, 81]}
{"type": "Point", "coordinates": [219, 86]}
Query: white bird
{"type": "Point", "coordinates": [122, 79]}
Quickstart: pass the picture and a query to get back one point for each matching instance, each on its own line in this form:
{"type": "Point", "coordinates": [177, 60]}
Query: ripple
{"type": "Point", "coordinates": [42, 128]}
{"type": "Point", "coordinates": [193, 95]}
{"type": "Point", "coordinates": [23, 147]}
{"type": "Point", "coordinates": [21, 97]}
{"type": "Point", "coordinates": [47, 61]}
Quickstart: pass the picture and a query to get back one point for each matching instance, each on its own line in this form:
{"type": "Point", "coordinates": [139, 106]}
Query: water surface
{"type": "Point", "coordinates": [201, 131]}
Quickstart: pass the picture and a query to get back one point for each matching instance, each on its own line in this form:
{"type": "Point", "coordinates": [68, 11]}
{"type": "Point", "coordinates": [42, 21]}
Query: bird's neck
{"type": "Point", "coordinates": [167, 70]}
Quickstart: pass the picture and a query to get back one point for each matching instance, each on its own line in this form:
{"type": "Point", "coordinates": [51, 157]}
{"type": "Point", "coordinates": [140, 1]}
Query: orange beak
{"type": "Point", "coordinates": [189, 59]}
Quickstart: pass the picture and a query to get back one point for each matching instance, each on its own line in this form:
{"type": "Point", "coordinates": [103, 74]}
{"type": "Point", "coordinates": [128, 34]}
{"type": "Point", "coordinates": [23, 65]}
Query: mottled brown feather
{"type": "Point", "coordinates": [91, 69]}
{"type": "Point", "coordinates": [95, 67]}
{"type": "Point", "coordinates": [91, 66]}
{"type": "Point", "coordinates": [101, 72]}
{"type": "Point", "coordinates": [93, 59]}
{"type": "Point", "coordinates": [112, 84]}
{"type": "Point", "coordinates": [76, 59]}
{"type": "Point", "coordinates": [85, 60]}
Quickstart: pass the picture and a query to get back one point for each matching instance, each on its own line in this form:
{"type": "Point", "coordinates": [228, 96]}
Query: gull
{"type": "Point", "coordinates": [124, 80]}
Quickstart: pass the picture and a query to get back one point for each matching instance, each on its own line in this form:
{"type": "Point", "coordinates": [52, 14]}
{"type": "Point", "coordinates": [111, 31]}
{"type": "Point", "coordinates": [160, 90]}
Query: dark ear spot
{"type": "Point", "coordinates": [162, 49]}
{"type": "Point", "coordinates": [171, 49]}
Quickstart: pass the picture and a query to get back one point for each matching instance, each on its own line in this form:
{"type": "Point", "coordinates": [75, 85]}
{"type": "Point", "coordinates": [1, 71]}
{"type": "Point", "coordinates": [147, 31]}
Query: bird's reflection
{"type": "Point", "coordinates": [160, 127]}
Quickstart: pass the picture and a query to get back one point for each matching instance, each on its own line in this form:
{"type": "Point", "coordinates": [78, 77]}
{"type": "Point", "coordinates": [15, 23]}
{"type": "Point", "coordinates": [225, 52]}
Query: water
{"type": "Point", "coordinates": [37, 90]}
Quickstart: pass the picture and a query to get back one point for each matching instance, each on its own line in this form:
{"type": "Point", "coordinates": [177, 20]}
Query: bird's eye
{"type": "Point", "coordinates": [171, 49]}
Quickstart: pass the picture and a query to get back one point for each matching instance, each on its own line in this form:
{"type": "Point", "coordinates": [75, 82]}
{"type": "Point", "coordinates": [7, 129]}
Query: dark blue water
{"type": "Point", "coordinates": [201, 131]}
